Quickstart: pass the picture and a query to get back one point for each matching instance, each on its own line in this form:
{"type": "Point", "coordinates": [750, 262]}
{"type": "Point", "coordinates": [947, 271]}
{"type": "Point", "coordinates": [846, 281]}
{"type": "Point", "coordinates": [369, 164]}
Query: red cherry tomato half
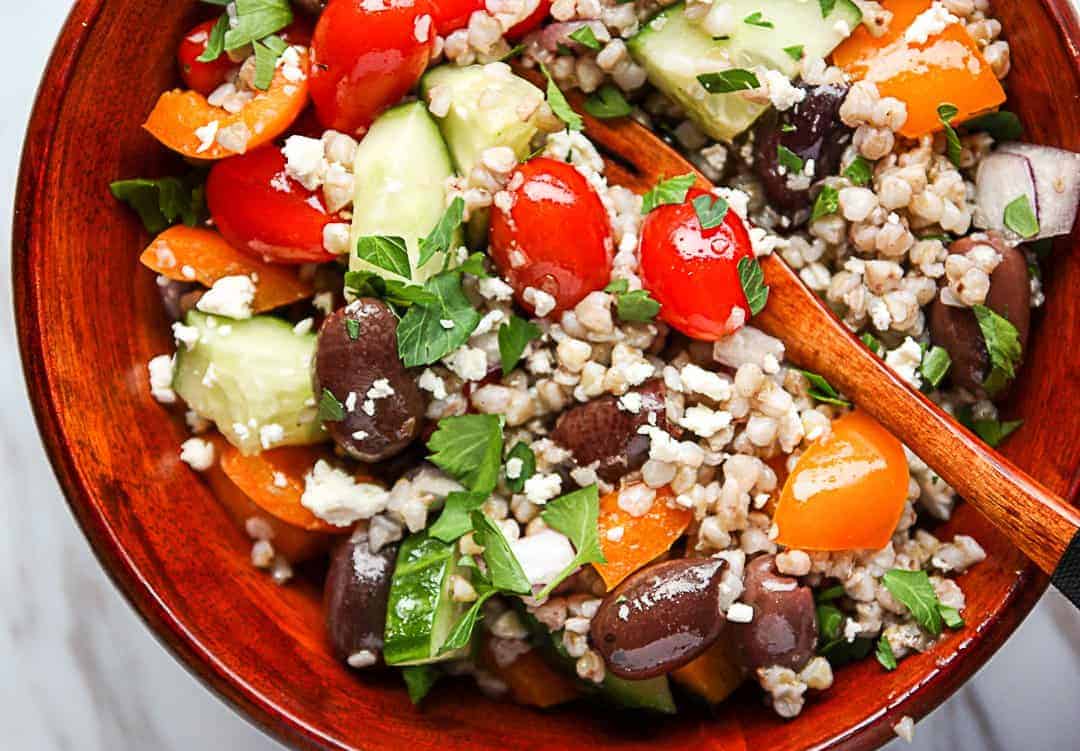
{"type": "Point", "coordinates": [693, 273]}
{"type": "Point", "coordinates": [260, 210]}
{"type": "Point", "coordinates": [451, 15]}
{"type": "Point", "coordinates": [556, 236]}
{"type": "Point", "coordinates": [198, 76]}
{"type": "Point", "coordinates": [366, 56]}
{"type": "Point", "coordinates": [530, 22]}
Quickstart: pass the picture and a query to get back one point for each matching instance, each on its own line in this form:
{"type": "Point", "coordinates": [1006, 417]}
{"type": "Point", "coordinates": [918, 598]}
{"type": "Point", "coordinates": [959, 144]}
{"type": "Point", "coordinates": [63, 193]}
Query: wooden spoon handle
{"type": "Point", "coordinates": [1038, 521]}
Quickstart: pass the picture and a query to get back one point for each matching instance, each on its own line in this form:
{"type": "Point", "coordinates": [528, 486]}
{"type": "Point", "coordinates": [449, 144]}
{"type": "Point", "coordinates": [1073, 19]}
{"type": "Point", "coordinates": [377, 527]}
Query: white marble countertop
{"type": "Point", "coordinates": [80, 671]}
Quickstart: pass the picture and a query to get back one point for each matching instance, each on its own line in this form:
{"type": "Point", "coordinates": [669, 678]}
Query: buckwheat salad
{"type": "Point", "coordinates": [525, 412]}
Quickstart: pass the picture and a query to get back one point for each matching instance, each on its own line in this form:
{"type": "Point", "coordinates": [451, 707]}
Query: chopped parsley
{"type": "Point", "coordinates": [827, 7]}
{"type": "Point", "coordinates": [419, 679]}
{"type": "Point", "coordinates": [710, 210]}
{"type": "Point", "coordinates": [935, 364]}
{"type": "Point", "coordinates": [557, 101]}
{"type": "Point", "coordinates": [469, 449]}
{"type": "Point", "coordinates": [992, 432]}
{"type": "Point", "coordinates": [789, 160]}
{"type": "Point", "coordinates": [162, 202]}
{"type": "Point", "coordinates": [422, 336]}
{"type": "Point", "coordinates": [522, 452]}
{"type": "Point", "coordinates": [1020, 218]}
{"type": "Point", "coordinates": [826, 203]}
{"type": "Point", "coordinates": [575, 515]}
{"type": "Point", "coordinates": [752, 279]}
{"type": "Point", "coordinates": [885, 654]}
{"type": "Point", "coordinates": [514, 336]}
{"type": "Point", "coordinates": [726, 81]}
{"type": "Point", "coordinates": [672, 190]}
{"type": "Point", "coordinates": [584, 36]}
{"type": "Point", "coordinates": [946, 112]}
{"type": "Point", "coordinates": [385, 252]}
{"type": "Point", "coordinates": [607, 102]}
{"type": "Point", "coordinates": [859, 171]}
{"type": "Point", "coordinates": [352, 328]}
{"type": "Point", "coordinates": [1001, 125]}
{"type": "Point", "coordinates": [1002, 344]}
{"type": "Point", "coordinates": [330, 409]}
{"type": "Point", "coordinates": [442, 234]}
{"type": "Point", "coordinates": [256, 24]}
{"type": "Point", "coordinates": [455, 520]}
{"type": "Point", "coordinates": [822, 390]}
{"type": "Point", "coordinates": [637, 306]}
{"type": "Point", "coordinates": [758, 19]}
{"type": "Point", "coordinates": [914, 590]}
{"type": "Point", "coordinates": [795, 52]}
{"type": "Point", "coordinates": [871, 343]}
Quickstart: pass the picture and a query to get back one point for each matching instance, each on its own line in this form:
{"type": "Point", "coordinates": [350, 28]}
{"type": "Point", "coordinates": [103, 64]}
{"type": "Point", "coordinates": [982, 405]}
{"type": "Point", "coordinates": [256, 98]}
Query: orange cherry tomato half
{"type": "Point", "coordinates": [693, 272]}
{"type": "Point", "coordinates": [366, 56]}
{"type": "Point", "coordinates": [260, 210]}
{"type": "Point", "coordinates": [846, 492]}
{"type": "Point", "coordinates": [555, 237]}
{"type": "Point", "coordinates": [640, 539]}
{"type": "Point", "coordinates": [531, 22]}
{"type": "Point", "coordinates": [199, 76]}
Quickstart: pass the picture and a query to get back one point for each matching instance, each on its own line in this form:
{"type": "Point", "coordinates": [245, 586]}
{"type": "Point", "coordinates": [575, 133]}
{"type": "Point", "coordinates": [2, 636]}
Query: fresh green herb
{"type": "Point", "coordinates": [469, 449]}
{"type": "Point", "coordinates": [753, 284]}
{"type": "Point", "coordinates": [514, 52]}
{"type": "Point", "coordinates": [514, 336]}
{"type": "Point", "coordinates": [832, 644]}
{"type": "Point", "coordinates": [461, 634]}
{"type": "Point", "coordinates": [455, 520]}
{"type": "Point", "coordinates": [522, 452]}
{"type": "Point", "coordinates": [363, 283]}
{"type": "Point", "coordinates": [992, 432]}
{"type": "Point", "coordinates": [256, 19]}
{"type": "Point", "coordinates": [672, 190]}
{"type": "Point", "coordinates": [442, 234]}
{"type": "Point", "coordinates": [859, 171]}
{"type": "Point", "coordinates": [575, 515]}
{"type": "Point", "coordinates": [823, 391]}
{"type": "Point", "coordinates": [951, 616]}
{"type": "Point", "coordinates": [1001, 125]}
{"type": "Point", "coordinates": [352, 328]}
{"type": "Point", "coordinates": [1002, 344]}
{"type": "Point", "coordinates": [914, 590]}
{"type": "Point", "coordinates": [607, 102]}
{"type": "Point", "coordinates": [935, 364]}
{"type": "Point", "coordinates": [385, 252]}
{"type": "Point", "coordinates": [422, 334]}
{"type": "Point", "coordinates": [502, 565]}
{"type": "Point", "coordinates": [557, 101]}
{"type": "Point", "coordinates": [330, 409]}
{"type": "Point", "coordinates": [267, 52]}
{"type": "Point", "coordinates": [757, 19]}
{"type": "Point", "coordinates": [946, 112]}
{"type": "Point", "coordinates": [723, 38]}
{"type": "Point", "coordinates": [616, 286]}
{"type": "Point", "coordinates": [584, 36]}
{"type": "Point", "coordinates": [726, 81]}
{"type": "Point", "coordinates": [215, 45]}
{"type": "Point", "coordinates": [419, 679]}
{"type": "Point", "coordinates": [637, 306]}
{"type": "Point", "coordinates": [871, 343]}
{"type": "Point", "coordinates": [789, 160]}
{"type": "Point", "coordinates": [795, 52]}
{"type": "Point", "coordinates": [710, 211]}
{"type": "Point", "coordinates": [826, 203]}
{"type": "Point", "coordinates": [787, 128]}
{"type": "Point", "coordinates": [1020, 218]}
{"type": "Point", "coordinates": [830, 622]}
{"type": "Point", "coordinates": [827, 7]}
{"type": "Point", "coordinates": [474, 265]}
{"type": "Point", "coordinates": [162, 202]}
{"type": "Point", "coordinates": [885, 654]}
{"type": "Point", "coordinates": [562, 50]}
{"type": "Point", "coordinates": [830, 593]}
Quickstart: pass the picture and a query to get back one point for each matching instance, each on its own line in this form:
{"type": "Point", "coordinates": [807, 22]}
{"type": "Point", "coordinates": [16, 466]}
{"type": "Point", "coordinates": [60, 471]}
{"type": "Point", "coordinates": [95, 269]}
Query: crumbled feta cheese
{"type": "Point", "coordinates": [447, 323]}
{"type": "Point", "coordinates": [703, 421]}
{"type": "Point", "coordinates": [360, 435]}
{"type": "Point", "coordinates": [337, 498]}
{"type": "Point", "coordinates": [905, 728]}
{"type": "Point", "coordinates": [324, 302]}
{"type": "Point", "coordinates": [905, 361]}
{"type": "Point", "coordinates": [336, 238]}
{"type": "Point", "coordinates": [161, 378]}
{"type": "Point", "coordinates": [198, 454]}
{"type": "Point", "coordinates": [697, 380]}
{"type": "Point", "coordinates": [280, 480]}
{"type": "Point", "coordinates": [514, 466]}
{"type": "Point", "coordinates": [380, 389]}
{"type": "Point", "coordinates": [186, 335]}
{"type": "Point", "coordinates": [930, 22]}
{"type": "Point", "coordinates": [615, 533]}
{"type": "Point", "coordinates": [782, 93]}
{"type": "Point", "coordinates": [630, 402]}
{"type": "Point", "coordinates": [350, 401]}
{"type": "Point", "coordinates": [431, 382]}
{"type": "Point", "coordinates": [363, 658]}
{"type": "Point", "coordinates": [543, 555]}
{"type": "Point", "coordinates": [740, 612]}
{"type": "Point", "coordinates": [422, 28]}
{"type": "Point", "coordinates": [231, 296]}
{"type": "Point", "coordinates": [540, 489]}
{"type": "Point", "coordinates": [468, 363]}
{"type": "Point", "coordinates": [664, 448]}
{"type": "Point", "coordinates": [368, 407]}
{"type": "Point", "coordinates": [305, 160]}
{"type": "Point", "coordinates": [542, 302]}
{"type": "Point", "coordinates": [206, 135]}
{"type": "Point", "coordinates": [270, 435]}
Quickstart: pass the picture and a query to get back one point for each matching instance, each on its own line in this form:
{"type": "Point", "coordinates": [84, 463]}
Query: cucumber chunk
{"type": "Point", "coordinates": [402, 166]}
{"type": "Point", "coordinates": [674, 51]}
{"type": "Point", "coordinates": [651, 693]}
{"type": "Point", "coordinates": [421, 611]}
{"type": "Point", "coordinates": [248, 375]}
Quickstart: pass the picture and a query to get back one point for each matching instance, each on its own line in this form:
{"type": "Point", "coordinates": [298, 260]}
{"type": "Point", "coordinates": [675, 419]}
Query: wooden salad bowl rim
{"type": "Point", "coordinates": [132, 565]}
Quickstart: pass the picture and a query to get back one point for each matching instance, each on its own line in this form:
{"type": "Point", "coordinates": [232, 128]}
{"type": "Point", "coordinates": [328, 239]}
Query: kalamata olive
{"type": "Point", "coordinates": [357, 589]}
{"type": "Point", "coordinates": [956, 329]}
{"type": "Point", "coordinates": [178, 297]}
{"type": "Point", "coordinates": [811, 130]}
{"type": "Point", "coordinates": [313, 7]}
{"type": "Point", "coordinates": [784, 628]}
{"type": "Point", "coordinates": [661, 618]}
{"type": "Point", "coordinates": [356, 360]}
{"type": "Point", "coordinates": [602, 431]}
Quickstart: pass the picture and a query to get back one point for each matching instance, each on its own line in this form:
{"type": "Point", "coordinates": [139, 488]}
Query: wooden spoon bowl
{"type": "Point", "coordinates": [89, 320]}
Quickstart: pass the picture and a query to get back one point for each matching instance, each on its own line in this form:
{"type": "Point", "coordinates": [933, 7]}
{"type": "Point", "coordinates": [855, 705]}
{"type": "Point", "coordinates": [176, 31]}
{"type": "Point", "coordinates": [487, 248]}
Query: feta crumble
{"type": "Point", "coordinates": [231, 296]}
{"type": "Point", "coordinates": [433, 383]}
{"type": "Point", "coordinates": [161, 377]}
{"type": "Point", "coordinates": [542, 302]}
{"type": "Point", "coordinates": [540, 489]}
{"type": "Point", "coordinates": [270, 435]}
{"type": "Point", "coordinates": [197, 453]}
{"type": "Point", "coordinates": [337, 498]}
{"type": "Point", "coordinates": [930, 22]}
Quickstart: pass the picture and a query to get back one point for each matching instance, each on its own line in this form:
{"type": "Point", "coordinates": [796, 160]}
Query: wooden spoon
{"type": "Point", "coordinates": [1036, 520]}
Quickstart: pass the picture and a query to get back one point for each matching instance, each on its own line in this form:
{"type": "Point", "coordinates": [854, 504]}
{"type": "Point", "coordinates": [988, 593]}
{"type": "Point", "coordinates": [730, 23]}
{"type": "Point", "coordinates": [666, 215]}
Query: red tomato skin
{"type": "Point", "coordinates": [201, 77]}
{"type": "Point", "coordinates": [556, 236]}
{"type": "Point", "coordinates": [261, 211]}
{"type": "Point", "coordinates": [451, 15]}
{"type": "Point", "coordinates": [697, 292]}
{"type": "Point", "coordinates": [364, 61]}
{"type": "Point", "coordinates": [530, 22]}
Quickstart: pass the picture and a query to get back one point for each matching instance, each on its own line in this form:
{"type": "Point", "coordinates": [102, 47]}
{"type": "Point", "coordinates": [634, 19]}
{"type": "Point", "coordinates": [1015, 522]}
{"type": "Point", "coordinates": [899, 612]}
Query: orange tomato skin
{"type": "Point", "coordinates": [643, 538]}
{"type": "Point", "coordinates": [846, 492]}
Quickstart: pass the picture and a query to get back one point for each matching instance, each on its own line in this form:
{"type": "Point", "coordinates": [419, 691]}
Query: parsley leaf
{"type": "Point", "coordinates": [394, 291]}
{"type": "Point", "coordinates": [502, 565]}
{"type": "Point", "coordinates": [951, 616]}
{"type": "Point", "coordinates": [330, 409]}
{"type": "Point", "coordinates": [454, 521]}
{"type": "Point", "coordinates": [521, 451]}
{"type": "Point", "coordinates": [584, 36]}
{"type": "Point", "coordinates": [753, 284]}
{"type": "Point", "coordinates": [946, 112]}
{"type": "Point", "coordinates": [859, 171]}
{"type": "Point", "coordinates": [514, 52]}
{"type": "Point", "coordinates": [1020, 218]}
{"type": "Point", "coordinates": [789, 160]}
{"type": "Point", "coordinates": [469, 449]}
{"type": "Point", "coordinates": [442, 234]}
{"type": "Point", "coordinates": [827, 7]}
{"type": "Point", "coordinates": [352, 328]}
{"type": "Point", "coordinates": [617, 285]}
{"type": "Point", "coordinates": [871, 343]}
{"type": "Point", "coordinates": [637, 306]}
{"type": "Point", "coordinates": [1001, 125]}
{"type": "Point", "coordinates": [795, 52]}
{"type": "Point", "coordinates": [830, 593]}
{"type": "Point", "coordinates": [385, 252]}
{"type": "Point", "coordinates": [672, 190]}
{"type": "Point", "coordinates": [215, 45]}
{"type": "Point", "coordinates": [1003, 345]}
{"type": "Point", "coordinates": [885, 654]}
{"type": "Point", "coordinates": [827, 202]}
{"type": "Point", "coordinates": [823, 391]}
{"type": "Point", "coordinates": [757, 19]}
{"type": "Point", "coordinates": [162, 202]}
{"type": "Point", "coordinates": [474, 265]}
{"type": "Point", "coordinates": [726, 81]}
{"type": "Point", "coordinates": [914, 590]}
{"type": "Point", "coordinates": [461, 633]}
{"type": "Point", "coordinates": [256, 19]}
{"type": "Point", "coordinates": [267, 52]}
{"type": "Point", "coordinates": [607, 102]}
{"type": "Point", "coordinates": [557, 101]}
{"type": "Point", "coordinates": [992, 432]}
{"type": "Point", "coordinates": [419, 679]}
{"type": "Point", "coordinates": [514, 336]}
{"type": "Point", "coordinates": [422, 337]}
{"type": "Point", "coordinates": [710, 212]}
{"type": "Point", "coordinates": [935, 364]}
{"type": "Point", "coordinates": [575, 515]}
{"type": "Point", "coordinates": [787, 128]}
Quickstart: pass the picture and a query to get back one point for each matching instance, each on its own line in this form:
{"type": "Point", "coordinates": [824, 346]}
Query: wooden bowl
{"type": "Point", "coordinates": [89, 320]}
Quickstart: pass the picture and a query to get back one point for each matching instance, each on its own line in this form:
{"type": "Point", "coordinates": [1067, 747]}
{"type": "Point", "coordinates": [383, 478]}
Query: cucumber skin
{"type": "Point", "coordinates": [262, 371]}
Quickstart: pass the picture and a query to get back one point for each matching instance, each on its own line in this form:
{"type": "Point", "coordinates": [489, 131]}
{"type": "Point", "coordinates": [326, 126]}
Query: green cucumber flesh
{"type": "Point", "coordinates": [652, 693]}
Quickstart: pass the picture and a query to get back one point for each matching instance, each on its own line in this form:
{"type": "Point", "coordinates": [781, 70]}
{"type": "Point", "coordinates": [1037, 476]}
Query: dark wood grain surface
{"type": "Point", "coordinates": [89, 320]}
